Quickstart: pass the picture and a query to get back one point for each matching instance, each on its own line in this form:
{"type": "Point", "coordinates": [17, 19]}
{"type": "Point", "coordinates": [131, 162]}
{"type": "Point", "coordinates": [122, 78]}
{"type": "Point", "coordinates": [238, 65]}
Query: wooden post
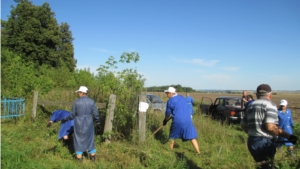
{"type": "Point", "coordinates": [110, 116]}
{"type": "Point", "coordinates": [142, 120]}
{"type": "Point", "coordinates": [35, 99]}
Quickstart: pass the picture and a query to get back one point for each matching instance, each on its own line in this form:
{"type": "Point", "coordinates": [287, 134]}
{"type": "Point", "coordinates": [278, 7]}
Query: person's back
{"type": "Point", "coordinates": [84, 106]}
{"type": "Point", "coordinates": [182, 125]}
{"type": "Point", "coordinates": [67, 127]}
{"type": "Point", "coordinates": [58, 115]}
{"type": "Point", "coordinates": [257, 114]}
{"type": "Point", "coordinates": [180, 109]}
{"type": "Point", "coordinates": [84, 110]}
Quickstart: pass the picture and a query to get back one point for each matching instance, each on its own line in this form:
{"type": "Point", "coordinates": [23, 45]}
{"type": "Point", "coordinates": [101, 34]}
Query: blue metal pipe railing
{"type": "Point", "coordinates": [12, 107]}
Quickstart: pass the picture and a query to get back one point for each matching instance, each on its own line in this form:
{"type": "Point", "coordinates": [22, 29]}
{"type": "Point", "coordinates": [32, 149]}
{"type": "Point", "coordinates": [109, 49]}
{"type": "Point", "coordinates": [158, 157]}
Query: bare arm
{"type": "Point", "coordinates": [274, 129]}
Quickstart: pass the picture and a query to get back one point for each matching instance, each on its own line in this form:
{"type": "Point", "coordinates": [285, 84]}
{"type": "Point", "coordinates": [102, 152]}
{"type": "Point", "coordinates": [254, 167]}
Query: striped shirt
{"type": "Point", "coordinates": [259, 113]}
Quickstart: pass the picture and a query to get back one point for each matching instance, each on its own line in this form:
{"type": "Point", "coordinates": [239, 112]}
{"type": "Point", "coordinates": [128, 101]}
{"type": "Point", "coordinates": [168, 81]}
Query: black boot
{"type": "Point", "coordinates": [92, 158]}
{"type": "Point", "coordinates": [66, 142]}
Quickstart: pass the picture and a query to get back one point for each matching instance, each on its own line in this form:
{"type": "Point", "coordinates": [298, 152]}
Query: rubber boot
{"type": "Point", "coordinates": [92, 158]}
{"type": "Point", "coordinates": [66, 142]}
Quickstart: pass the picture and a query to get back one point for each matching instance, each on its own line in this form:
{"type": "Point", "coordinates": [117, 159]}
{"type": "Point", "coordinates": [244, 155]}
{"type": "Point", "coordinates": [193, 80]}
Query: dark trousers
{"type": "Point", "coordinates": [262, 150]}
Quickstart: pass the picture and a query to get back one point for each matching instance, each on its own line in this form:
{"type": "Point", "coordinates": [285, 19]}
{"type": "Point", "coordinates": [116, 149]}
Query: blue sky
{"type": "Point", "coordinates": [215, 44]}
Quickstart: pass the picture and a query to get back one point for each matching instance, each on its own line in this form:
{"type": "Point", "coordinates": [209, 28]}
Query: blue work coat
{"type": "Point", "coordinates": [83, 111]}
{"type": "Point", "coordinates": [190, 102]}
{"type": "Point", "coordinates": [285, 123]}
{"type": "Point", "coordinates": [65, 128]}
{"type": "Point", "coordinates": [182, 125]}
{"type": "Point", "coordinates": [247, 104]}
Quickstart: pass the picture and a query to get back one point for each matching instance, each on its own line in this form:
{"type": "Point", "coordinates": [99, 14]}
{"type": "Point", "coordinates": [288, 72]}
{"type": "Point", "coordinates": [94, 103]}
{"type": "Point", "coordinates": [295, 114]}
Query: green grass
{"type": "Point", "coordinates": [30, 144]}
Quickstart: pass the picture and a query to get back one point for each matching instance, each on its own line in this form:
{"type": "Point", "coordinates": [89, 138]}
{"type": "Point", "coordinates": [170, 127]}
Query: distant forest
{"type": "Point", "coordinates": [178, 88]}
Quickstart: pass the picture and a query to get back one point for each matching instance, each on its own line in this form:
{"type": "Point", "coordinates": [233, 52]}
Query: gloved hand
{"type": "Point", "coordinates": [63, 120]}
{"type": "Point", "coordinates": [165, 122]}
{"type": "Point", "coordinates": [293, 139]}
{"type": "Point", "coordinates": [98, 126]}
{"type": "Point", "coordinates": [49, 124]}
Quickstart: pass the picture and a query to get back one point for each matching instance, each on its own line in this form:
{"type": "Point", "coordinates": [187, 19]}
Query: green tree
{"type": "Point", "coordinates": [126, 84]}
{"type": "Point", "coordinates": [66, 49]}
{"type": "Point", "coordinates": [32, 31]}
{"type": "Point", "coordinates": [18, 78]}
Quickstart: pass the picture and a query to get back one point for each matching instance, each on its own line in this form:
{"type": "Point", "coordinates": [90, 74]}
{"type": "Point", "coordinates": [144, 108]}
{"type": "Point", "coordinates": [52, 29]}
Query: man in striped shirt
{"type": "Point", "coordinates": [261, 124]}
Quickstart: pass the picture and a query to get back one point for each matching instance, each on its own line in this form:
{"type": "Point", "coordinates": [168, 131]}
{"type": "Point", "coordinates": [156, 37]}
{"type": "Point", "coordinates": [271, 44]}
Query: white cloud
{"type": "Point", "coordinates": [231, 68]}
{"type": "Point", "coordinates": [201, 62]}
{"type": "Point", "coordinates": [198, 70]}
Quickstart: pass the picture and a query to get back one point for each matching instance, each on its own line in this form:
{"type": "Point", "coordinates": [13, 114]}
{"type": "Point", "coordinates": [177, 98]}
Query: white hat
{"type": "Point", "coordinates": [171, 90]}
{"type": "Point", "coordinates": [82, 89]}
{"type": "Point", "coordinates": [283, 102]}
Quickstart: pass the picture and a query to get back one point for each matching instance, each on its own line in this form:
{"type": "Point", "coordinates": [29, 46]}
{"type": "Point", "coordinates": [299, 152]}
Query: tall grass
{"type": "Point", "coordinates": [27, 143]}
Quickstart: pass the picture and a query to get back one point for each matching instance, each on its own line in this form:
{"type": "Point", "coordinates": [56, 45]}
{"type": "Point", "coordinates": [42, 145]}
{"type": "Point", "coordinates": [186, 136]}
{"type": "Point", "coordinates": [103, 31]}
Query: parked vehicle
{"type": "Point", "coordinates": [156, 103]}
{"type": "Point", "coordinates": [224, 108]}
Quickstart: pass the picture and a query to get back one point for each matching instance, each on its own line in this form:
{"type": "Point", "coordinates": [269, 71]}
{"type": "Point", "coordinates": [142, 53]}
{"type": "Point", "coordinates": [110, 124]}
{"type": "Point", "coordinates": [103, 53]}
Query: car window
{"type": "Point", "coordinates": [232, 102]}
{"type": "Point", "coordinates": [149, 98]}
{"type": "Point", "coordinates": [219, 102]}
{"type": "Point", "coordinates": [154, 99]}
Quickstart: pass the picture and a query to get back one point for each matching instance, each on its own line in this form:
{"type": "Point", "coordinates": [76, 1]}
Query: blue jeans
{"type": "Point", "coordinates": [262, 149]}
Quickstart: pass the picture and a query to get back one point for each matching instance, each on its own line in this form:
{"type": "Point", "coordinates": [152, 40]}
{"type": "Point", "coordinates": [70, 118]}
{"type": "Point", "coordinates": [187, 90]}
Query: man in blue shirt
{"type": "Point", "coordinates": [190, 102]}
{"type": "Point", "coordinates": [182, 125]}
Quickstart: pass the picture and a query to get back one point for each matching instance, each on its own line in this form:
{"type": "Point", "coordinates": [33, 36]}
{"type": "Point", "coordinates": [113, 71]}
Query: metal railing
{"type": "Point", "coordinates": [12, 107]}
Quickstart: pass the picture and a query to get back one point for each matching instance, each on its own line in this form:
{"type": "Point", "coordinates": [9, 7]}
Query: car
{"type": "Point", "coordinates": [156, 103]}
{"type": "Point", "coordinates": [224, 108]}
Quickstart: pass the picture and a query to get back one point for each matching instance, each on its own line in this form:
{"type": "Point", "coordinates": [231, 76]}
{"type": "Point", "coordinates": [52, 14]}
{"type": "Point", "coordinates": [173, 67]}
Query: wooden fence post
{"type": "Point", "coordinates": [142, 120]}
{"type": "Point", "coordinates": [35, 100]}
{"type": "Point", "coordinates": [110, 116]}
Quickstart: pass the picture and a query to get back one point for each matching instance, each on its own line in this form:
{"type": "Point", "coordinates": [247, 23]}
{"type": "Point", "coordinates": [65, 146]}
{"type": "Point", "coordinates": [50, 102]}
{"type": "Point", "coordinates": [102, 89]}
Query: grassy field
{"type": "Point", "coordinates": [30, 144]}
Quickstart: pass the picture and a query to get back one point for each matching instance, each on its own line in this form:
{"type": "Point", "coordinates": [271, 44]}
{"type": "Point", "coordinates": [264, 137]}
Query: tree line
{"type": "Point", "coordinates": [178, 88]}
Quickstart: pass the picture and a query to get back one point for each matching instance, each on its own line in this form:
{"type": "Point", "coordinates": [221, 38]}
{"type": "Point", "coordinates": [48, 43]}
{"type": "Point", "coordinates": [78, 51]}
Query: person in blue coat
{"type": "Point", "coordinates": [66, 129]}
{"type": "Point", "coordinates": [84, 111]}
{"type": "Point", "coordinates": [286, 123]}
{"type": "Point", "coordinates": [190, 102]}
{"type": "Point", "coordinates": [249, 101]}
{"type": "Point", "coordinates": [182, 125]}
